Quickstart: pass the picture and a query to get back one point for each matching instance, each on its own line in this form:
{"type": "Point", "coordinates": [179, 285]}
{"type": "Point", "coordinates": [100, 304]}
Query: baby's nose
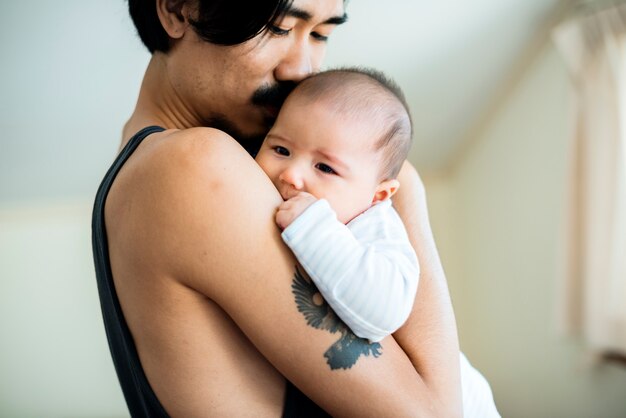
{"type": "Point", "coordinates": [292, 177]}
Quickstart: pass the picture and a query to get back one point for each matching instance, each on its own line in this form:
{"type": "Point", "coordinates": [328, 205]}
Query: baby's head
{"type": "Point", "coordinates": [341, 135]}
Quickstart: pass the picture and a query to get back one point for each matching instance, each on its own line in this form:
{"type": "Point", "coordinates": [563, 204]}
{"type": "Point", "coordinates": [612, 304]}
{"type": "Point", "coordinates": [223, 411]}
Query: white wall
{"type": "Point", "coordinates": [497, 220]}
{"type": "Point", "coordinates": [69, 78]}
{"type": "Point", "coordinates": [54, 359]}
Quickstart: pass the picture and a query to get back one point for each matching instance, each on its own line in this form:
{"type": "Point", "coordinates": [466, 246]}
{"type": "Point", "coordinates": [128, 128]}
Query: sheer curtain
{"type": "Point", "coordinates": [593, 281]}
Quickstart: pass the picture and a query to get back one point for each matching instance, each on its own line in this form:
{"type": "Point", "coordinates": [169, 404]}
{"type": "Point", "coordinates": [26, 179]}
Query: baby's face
{"type": "Point", "coordinates": [313, 150]}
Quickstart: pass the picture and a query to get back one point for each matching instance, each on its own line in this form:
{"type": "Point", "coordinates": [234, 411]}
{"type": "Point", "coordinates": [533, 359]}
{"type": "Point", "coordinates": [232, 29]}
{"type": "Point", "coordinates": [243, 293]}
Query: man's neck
{"type": "Point", "coordinates": [159, 103]}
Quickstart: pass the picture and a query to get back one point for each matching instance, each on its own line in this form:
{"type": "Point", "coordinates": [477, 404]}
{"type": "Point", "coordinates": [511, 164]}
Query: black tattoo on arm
{"type": "Point", "coordinates": [345, 352]}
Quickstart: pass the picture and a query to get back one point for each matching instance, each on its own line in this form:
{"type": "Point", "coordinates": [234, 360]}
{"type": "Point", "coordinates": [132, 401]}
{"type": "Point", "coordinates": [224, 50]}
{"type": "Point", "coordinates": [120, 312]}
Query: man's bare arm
{"type": "Point", "coordinates": [213, 217]}
{"type": "Point", "coordinates": [429, 336]}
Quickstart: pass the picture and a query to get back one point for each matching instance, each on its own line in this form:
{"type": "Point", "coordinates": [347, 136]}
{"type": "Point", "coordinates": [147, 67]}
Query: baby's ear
{"type": "Point", "coordinates": [385, 190]}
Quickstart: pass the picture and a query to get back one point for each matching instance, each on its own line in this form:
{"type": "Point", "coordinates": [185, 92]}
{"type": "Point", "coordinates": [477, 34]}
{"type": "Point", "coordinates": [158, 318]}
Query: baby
{"type": "Point", "coordinates": [334, 152]}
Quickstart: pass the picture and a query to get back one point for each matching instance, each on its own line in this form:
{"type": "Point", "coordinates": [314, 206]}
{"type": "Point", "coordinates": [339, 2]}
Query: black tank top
{"type": "Point", "coordinates": [140, 398]}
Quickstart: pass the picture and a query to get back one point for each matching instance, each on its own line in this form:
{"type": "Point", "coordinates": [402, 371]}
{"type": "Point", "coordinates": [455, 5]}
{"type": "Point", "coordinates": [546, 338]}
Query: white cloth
{"type": "Point", "coordinates": [477, 396]}
{"type": "Point", "coordinates": [367, 270]}
{"type": "Point", "coordinates": [592, 273]}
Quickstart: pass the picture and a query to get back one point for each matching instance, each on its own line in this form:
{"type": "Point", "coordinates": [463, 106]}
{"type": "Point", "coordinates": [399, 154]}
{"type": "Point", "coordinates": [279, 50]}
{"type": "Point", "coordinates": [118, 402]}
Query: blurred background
{"type": "Point", "coordinates": [497, 96]}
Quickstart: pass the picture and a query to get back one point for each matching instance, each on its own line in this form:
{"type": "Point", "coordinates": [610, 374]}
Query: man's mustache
{"type": "Point", "coordinates": [273, 95]}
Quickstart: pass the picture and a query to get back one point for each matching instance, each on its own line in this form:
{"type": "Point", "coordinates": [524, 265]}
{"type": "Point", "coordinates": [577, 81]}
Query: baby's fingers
{"type": "Point", "coordinates": [283, 218]}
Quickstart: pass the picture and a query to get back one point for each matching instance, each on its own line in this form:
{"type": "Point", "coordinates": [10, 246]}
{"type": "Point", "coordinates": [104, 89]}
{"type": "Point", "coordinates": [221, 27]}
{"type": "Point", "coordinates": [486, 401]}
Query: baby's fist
{"type": "Point", "coordinates": [290, 209]}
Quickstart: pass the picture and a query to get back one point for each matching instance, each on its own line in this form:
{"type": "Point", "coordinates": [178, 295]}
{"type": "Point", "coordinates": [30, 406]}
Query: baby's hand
{"type": "Point", "coordinates": [290, 209]}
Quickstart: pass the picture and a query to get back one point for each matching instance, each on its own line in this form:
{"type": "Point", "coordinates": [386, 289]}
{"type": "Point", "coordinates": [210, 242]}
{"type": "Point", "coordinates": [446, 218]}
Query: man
{"type": "Point", "coordinates": [199, 295]}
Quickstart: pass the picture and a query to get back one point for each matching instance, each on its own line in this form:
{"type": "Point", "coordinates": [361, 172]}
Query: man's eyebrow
{"type": "Point", "coordinates": [336, 20]}
{"type": "Point", "coordinates": [306, 16]}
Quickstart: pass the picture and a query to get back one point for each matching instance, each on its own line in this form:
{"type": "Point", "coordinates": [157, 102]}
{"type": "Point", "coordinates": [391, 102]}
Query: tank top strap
{"type": "Point", "coordinates": [140, 398]}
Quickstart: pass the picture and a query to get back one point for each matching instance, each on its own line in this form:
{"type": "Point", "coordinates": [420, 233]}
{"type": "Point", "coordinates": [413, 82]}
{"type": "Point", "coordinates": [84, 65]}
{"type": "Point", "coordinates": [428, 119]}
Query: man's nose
{"type": "Point", "coordinates": [297, 63]}
{"type": "Point", "coordinates": [292, 177]}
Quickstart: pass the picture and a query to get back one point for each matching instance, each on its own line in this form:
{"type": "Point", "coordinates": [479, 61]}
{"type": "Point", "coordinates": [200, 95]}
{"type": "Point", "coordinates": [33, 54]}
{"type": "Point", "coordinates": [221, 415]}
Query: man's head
{"type": "Point", "coordinates": [228, 63]}
{"type": "Point", "coordinates": [221, 22]}
{"type": "Point", "coordinates": [341, 135]}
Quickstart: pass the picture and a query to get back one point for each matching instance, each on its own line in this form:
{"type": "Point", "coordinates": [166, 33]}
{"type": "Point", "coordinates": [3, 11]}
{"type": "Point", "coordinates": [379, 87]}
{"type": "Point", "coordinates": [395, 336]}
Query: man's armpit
{"type": "Point", "coordinates": [345, 352]}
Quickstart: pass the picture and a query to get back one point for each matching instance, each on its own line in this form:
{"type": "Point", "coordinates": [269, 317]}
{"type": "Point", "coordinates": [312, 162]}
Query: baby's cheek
{"type": "Point", "coordinates": [346, 211]}
{"type": "Point", "coordinates": [354, 205]}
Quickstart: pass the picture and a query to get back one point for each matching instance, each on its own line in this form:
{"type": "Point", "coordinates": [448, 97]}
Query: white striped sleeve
{"type": "Point", "coordinates": [367, 271]}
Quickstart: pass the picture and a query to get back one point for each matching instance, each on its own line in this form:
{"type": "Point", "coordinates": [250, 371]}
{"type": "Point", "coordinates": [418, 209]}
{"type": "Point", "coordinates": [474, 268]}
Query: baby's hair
{"type": "Point", "coordinates": [359, 92]}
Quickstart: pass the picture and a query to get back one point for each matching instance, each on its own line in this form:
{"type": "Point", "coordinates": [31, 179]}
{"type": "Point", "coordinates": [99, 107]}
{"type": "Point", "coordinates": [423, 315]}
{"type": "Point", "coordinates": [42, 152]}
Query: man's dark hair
{"type": "Point", "coordinates": [364, 93]}
{"type": "Point", "coordinates": [221, 22]}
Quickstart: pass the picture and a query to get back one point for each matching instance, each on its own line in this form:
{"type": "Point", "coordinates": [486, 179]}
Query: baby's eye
{"type": "Point", "coordinates": [325, 168]}
{"type": "Point", "coordinates": [281, 151]}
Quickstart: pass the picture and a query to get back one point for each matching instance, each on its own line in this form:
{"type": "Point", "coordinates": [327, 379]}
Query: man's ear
{"type": "Point", "coordinates": [385, 190]}
{"type": "Point", "coordinates": [173, 15]}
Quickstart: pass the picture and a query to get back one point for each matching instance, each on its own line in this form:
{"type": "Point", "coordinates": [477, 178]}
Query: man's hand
{"type": "Point", "coordinates": [290, 209]}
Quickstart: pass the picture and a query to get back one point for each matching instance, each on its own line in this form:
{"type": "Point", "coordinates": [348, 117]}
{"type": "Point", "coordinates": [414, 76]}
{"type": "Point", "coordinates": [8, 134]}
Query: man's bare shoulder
{"type": "Point", "coordinates": [202, 166]}
{"type": "Point", "coordinates": [193, 148]}
{"type": "Point", "coordinates": [182, 196]}
{"type": "Point", "coordinates": [177, 160]}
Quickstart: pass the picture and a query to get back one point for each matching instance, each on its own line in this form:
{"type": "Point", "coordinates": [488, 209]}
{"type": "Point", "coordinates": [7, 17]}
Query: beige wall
{"type": "Point", "coordinates": [496, 217]}
{"type": "Point", "coordinates": [54, 359]}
